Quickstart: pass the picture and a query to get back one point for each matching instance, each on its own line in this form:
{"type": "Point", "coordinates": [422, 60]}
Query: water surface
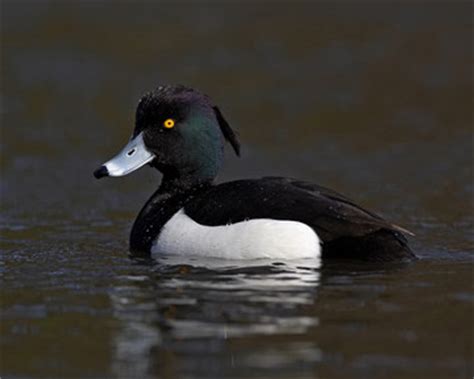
{"type": "Point", "coordinates": [371, 100]}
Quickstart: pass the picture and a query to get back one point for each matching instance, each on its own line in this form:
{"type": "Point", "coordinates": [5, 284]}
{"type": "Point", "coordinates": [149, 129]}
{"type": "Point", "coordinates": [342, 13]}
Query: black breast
{"type": "Point", "coordinates": [155, 214]}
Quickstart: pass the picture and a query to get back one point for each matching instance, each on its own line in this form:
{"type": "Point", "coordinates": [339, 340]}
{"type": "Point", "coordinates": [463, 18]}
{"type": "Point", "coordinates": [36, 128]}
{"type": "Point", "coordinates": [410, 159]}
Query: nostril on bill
{"type": "Point", "coordinates": [131, 152]}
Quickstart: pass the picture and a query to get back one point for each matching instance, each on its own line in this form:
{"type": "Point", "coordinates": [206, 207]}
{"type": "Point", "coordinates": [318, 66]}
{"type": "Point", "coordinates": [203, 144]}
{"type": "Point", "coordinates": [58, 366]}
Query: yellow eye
{"type": "Point", "coordinates": [169, 123]}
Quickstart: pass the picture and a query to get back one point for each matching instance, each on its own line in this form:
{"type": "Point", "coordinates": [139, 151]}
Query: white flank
{"type": "Point", "coordinates": [252, 239]}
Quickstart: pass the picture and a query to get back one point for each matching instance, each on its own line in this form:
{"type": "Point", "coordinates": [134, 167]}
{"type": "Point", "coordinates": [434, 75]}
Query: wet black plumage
{"type": "Point", "coordinates": [189, 157]}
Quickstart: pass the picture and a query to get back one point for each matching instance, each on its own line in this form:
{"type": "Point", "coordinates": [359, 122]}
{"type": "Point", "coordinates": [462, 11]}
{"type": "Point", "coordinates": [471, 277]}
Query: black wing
{"type": "Point", "coordinates": [329, 213]}
{"type": "Point", "coordinates": [347, 230]}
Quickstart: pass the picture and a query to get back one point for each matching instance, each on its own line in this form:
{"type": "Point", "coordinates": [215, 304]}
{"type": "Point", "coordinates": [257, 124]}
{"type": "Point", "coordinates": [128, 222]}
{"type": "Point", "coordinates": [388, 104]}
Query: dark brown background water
{"type": "Point", "coordinates": [372, 100]}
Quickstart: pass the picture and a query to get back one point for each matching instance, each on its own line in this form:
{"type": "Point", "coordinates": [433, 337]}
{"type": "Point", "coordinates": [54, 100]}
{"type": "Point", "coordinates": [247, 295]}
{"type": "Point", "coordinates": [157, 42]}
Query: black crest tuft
{"type": "Point", "coordinates": [229, 134]}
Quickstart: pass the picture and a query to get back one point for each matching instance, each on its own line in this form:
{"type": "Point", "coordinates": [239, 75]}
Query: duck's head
{"type": "Point", "coordinates": [178, 131]}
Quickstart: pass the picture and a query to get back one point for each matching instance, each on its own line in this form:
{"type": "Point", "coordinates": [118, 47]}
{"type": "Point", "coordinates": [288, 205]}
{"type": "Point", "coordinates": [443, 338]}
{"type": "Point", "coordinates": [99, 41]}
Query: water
{"type": "Point", "coordinates": [374, 101]}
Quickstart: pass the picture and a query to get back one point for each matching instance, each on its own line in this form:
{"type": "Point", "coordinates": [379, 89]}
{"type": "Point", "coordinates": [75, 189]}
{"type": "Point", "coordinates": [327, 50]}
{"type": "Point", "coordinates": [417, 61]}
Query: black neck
{"type": "Point", "coordinates": [179, 180]}
{"type": "Point", "coordinates": [173, 184]}
{"type": "Point", "coordinates": [170, 197]}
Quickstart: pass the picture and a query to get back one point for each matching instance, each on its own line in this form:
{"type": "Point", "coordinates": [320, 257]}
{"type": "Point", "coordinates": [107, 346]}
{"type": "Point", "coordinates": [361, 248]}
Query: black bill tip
{"type": "Point", "coordinates": [101, 172]}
